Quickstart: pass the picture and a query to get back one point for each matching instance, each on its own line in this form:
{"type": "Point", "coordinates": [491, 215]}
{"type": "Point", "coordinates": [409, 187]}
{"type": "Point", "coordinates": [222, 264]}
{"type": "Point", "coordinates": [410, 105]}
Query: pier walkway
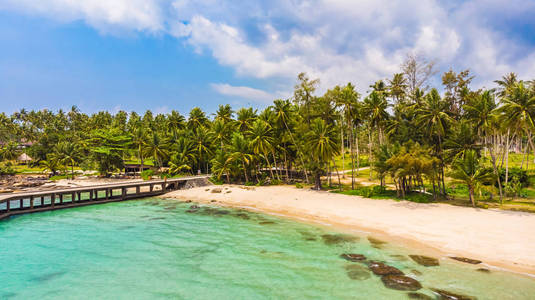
{"type": "Point", "coordinates": [30, 202]}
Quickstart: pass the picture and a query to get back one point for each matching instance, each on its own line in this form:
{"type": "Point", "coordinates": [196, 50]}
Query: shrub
{"type": "Point", "coordinates": [6, 170]}
{"type": "Point", "coordinates": [249, 183]}
{"type": "Point", "coordinates": [147, 174]}
{"type": "Point", "coordinates": [515, 175]}
{"type": "Point", "coordinates": [299, 185]}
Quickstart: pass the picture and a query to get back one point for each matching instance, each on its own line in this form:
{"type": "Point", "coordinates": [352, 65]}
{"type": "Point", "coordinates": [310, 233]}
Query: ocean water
{"type": "Point", "coordinates": [156, 249]}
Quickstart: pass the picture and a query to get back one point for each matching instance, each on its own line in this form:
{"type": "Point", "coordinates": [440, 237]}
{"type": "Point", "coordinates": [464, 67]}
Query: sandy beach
{"type": "Point", "coordinates": [499, 238]}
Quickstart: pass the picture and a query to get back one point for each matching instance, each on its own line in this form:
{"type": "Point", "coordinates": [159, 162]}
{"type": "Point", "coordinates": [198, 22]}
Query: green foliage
{"type": "Point", "coordinates": [147, 174]}
{"type": "Point", "coordinates": [515, 175]}
{"type": "Point", "coordinates": [6, 170]}
{"type": "Point", "coordinates": [299, 185]}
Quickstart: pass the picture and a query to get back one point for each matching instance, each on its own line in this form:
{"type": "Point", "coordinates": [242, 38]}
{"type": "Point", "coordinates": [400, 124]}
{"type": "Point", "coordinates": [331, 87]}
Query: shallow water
{"type": "Point", "coordinates": [153, 248]}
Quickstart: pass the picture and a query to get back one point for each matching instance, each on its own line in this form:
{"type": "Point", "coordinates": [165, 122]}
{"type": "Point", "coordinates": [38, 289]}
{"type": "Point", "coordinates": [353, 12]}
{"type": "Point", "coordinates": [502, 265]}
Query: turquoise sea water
{"type": "Point", "coordinates": [153, 248]}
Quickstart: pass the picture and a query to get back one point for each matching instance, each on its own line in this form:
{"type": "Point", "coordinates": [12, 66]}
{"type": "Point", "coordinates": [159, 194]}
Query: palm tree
{"type": "Point", "coordinates": [139, 140]}
{"type": "Point", "coordinates": [283, 117]}
{"type": "Point", "coordinates": [245, 118]}
{"type": "Point", "coordinates": [397, 87]}
{"type": "Point", "coordinates": [434, 117]}
{"type": "Point", "coordinates": [322, 146]}
{"type": "Point", "coordinates": [175, 122]}
{"type": "Point", "coordinates": [202, 145]}
{"type": "Point", "coordinates": [197, 118]}
{"type": "Point", "coordinates": [51, 163]}
{"type": "Point", "coordinates": [469, 170]}
{"type": "Point", "coordinates": [240, 152]}
{"type": "Point", "coordinates": [68, 153]}
{"type": "Point", "coordinates": [220, 132]}
{"type": "Point", "coordinates": [262, 140]}
{"type": "Point", "coordinates": [221, 165]}
{"type": "Point", "coordinates": [10, 151]}
{"type": "Point", "coordinates": [224, 113]}
{"type": "Point", "coordinates": [518, 108]}
{"type": "Point", "coordinates": [156, 148]}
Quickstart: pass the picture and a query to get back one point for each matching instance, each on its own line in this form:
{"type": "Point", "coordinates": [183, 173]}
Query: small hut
{"type": "Point", "coordinates": [24, 159]}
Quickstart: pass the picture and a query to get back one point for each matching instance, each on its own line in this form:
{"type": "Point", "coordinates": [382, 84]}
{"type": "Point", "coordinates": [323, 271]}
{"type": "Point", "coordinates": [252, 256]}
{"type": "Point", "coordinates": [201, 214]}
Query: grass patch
{"type": "Point", "coordinates": [378, 192]}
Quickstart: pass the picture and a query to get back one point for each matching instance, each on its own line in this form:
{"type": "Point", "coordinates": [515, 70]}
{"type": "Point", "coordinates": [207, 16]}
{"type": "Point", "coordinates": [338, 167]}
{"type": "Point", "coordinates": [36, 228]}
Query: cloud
{"type": "Point", "coordinates": [108, 16]}
{"type": "Point", "coordinates": [244, 92]}
{"type": "Point", "coordinates": [334, 40]}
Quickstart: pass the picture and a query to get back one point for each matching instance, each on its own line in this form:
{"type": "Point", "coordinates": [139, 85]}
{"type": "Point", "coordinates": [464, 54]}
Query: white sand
{"type": "Point", "coordinates": [499, 238]}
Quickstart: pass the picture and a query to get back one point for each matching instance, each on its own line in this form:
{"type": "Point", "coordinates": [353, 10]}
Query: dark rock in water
{"type": "Point", "coordinates": [243, 216]}
{"type": "Point", "coordinates": [466, 260]}
{"type": "Point", "coordinates": [379, 268]}
{"type": "Point", "coordinates": [419, 296]}
{"type": "Point", "coordinates": [452, 296]}
{"type": "Point", "coordinates": [216, 190]}
{"type": "Point", "coordinates": [401, 282]}
{"type": "Point", "coordinates": [416, 272]}
{"type": "Point", "coordinates": [171, 207]}
{"type": "Point", "coordinates": [334, 239]}
{"type": "Point", "coordinates": [7, 295]}
{"type": "Point", "coordinates": [353, 257]}
{"type": "Point", "coordinates": [425, 261]}
{"type": "Point", "coordinates": [266, 223]}
{"type": "Point", "coordinates": [357, 272]}
{"type": "Point", "coordinates": [375, 241]}
{"type": "Point", "coordinates": [193, 209]}
{"type": "Point", "coordinates": [483, 270]}
{"type": "Point", "coordinates": [188, 201]}
{"type": "Point", "coordinates": [213, 200]}
{"type": "Point", "coordinates": [48, 277]}
{"type": "Point", "coordinates": [210, 211]}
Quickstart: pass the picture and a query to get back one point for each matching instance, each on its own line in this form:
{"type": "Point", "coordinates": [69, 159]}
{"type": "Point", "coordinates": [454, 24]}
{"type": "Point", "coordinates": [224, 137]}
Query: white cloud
{"type": "Point", "coordinates": [243, 92]}
{"type": "Point", "coordinates": [335, 40]}
{"type": "Point", "coordinates": [105, 15]}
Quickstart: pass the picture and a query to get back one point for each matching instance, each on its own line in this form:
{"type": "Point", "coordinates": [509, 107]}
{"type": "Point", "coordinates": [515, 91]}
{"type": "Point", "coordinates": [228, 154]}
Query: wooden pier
{"type": "Point", "coordinates": [30, 202]}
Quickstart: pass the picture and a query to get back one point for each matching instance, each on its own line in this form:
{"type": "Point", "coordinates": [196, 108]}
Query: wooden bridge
{"type": "Point", "coordinates": [30, 202]}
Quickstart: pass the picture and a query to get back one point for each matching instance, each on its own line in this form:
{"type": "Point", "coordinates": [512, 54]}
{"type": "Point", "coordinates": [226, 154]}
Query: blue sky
{"type": "Point", "coordinates": [177, 54]}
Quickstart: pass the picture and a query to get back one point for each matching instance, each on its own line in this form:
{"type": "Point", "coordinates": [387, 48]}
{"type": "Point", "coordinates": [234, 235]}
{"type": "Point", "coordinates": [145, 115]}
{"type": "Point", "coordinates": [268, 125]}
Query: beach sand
{"type": "Point", "coordinates": [499, 238]}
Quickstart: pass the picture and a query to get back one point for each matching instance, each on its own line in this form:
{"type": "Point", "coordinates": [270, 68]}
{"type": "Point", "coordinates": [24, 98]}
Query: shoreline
{"type": "Point", "coordinates": [406, 224]}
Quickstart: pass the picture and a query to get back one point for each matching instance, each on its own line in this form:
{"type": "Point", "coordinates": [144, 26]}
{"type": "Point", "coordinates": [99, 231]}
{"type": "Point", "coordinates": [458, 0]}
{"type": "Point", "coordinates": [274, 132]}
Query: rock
{"type": "Point", "coordinates": [425, 261]}
{"type": "Point", "coordinates": [353, 257]}
{"type": "Point", "coordinates": [379, 268]}
{"type": "Point", "coordinates": [334, 239]}
{"type": "Point", "coordinates": [466, 260]}
{"type": "Point", "coordinates": [483, 270]}
{"type": "Point", "coordinates": [228, 192]}
{"type": "Point", "coordinates": [416, 272]}
{"type": "Point", "coordinates": [213, 201]}
{"type": "Point", "coordinates": [188, 201]}
{"type": "Point", "coordinates": [243, 216]}
{"type": "Point", "coordinates": [357, 272]}
{"type": "Point", "coordinates": [401, 282]}
{"type": "Point", "coordinates": [193, 209]}
{"type": "Point", "coordinates": [451, 296]}
{"type": "Point", "coordinates": [266, 223]}
{"type": "Point", "coordinates": [216, 190]}
{"type": "Point", "coordinates": [375, 241]}
{"type": "Point", "coordinates": [419, 296]}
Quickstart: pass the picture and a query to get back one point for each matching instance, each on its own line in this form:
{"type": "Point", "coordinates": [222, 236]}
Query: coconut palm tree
{"type": "Point", "coordinates": [224, 113]}
{"type": "Point", "coordinates": [202, 143]}
{"type": "Point", "coordinates": [261, 140]}
{"type": "Point", "coordinates": [139, 140]}
{"type": "Point", "coordinates": [69, 154]}
{"type": "Point", "coordinates": [197, 118]}
{"type": "Point", "coordinates": [433, 117]}
{"type": "Point", "coordinates": [51, 163]}
{"type": "Point", "coordinates": [245, 118]}
{"type": "Point", "coordinates": [322, 145]}
{"type": "Point", "coordinates": [156, 148]}
{"type": "Point", "coordinates": [239, 152]}
{"type": "Point", "coordinates": [469, 170]}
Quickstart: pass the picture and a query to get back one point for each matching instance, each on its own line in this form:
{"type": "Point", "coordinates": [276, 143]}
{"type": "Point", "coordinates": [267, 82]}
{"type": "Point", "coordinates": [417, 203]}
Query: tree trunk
{"type": "Point", "coordinates": [317, 185]}
{"type": "Point", "coordinates": [343, 152]}
{"type": "Point", "coordinates": [352, 158]}
{"type": "Point", "coordinates": [471, 195]}
{"type": "Point", "coordinates": [245, 172]}
{"type": "Point", "coordinates": [269, 166]}
{"type": "Point", "coordinates": [337, 173]}
{"type": "Point", "coordinates": [370, 160]}
{"type": "Point", "coordinates": [507, 159]}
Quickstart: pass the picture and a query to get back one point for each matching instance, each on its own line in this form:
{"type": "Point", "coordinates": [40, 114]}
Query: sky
{"type": "Point", "coordinates": [161, 55]}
